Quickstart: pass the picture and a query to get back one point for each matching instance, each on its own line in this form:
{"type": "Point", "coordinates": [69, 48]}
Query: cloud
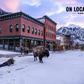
{"type": "Point", "coordinates": [10, 5]}
{"type": "Point", "coordinates": [55, 9]}
{"type": "Point", "coordinates": [32, 2]}
{"type": "Point", "coordinates": [63, 1]}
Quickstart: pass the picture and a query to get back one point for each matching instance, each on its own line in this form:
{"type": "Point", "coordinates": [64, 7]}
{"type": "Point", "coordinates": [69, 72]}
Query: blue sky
{"type": "Point", "coordinates": [55, 9]}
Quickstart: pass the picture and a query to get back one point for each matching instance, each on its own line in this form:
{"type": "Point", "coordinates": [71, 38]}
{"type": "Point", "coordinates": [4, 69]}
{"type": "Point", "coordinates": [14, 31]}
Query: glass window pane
{"type": "Point", "coordinates": [23, 28]}
{"type": "Point", "coordinates": [17, 26]}
{"type": "Point", "coordinates": [11, 28]}
{"type": "Point", "coordinates": [28, 29]}
{"type": "Point", "coordinates": [35, 31]}
{"type": "Point", "coordinates": [32, 30]}
{"type": "Point", "coordinates": [0, 29]}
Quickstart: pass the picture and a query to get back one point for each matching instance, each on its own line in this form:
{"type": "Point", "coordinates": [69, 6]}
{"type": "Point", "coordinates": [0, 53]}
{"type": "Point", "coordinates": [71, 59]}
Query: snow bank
{"type": "Point", "coordinates": [60, 68]}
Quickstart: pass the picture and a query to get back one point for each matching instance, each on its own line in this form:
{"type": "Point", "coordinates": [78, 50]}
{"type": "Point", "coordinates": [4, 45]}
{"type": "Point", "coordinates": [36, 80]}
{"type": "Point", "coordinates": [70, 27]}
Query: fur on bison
{"type": "Point", "coordinates": [40, 52]}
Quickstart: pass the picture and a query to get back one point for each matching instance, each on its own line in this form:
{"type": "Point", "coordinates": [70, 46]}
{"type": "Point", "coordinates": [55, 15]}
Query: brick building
{"type": "Point", "coordinates": [49, 31]}
{"type": "Point", "coordinates": [19, 29]}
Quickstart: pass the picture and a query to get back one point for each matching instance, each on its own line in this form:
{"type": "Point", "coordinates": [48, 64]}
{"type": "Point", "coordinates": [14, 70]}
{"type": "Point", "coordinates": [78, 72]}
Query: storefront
{"type": "Point", "coordinates": [49, 44]}
{"type": "Point", "coordinates": [15, 43]}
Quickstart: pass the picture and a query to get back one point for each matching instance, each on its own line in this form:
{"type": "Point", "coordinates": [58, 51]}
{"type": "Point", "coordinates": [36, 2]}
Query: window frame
{"type": "Point", "coordinates": [11, 30]}
{"type": "Point", "coordinates": [28, 29]}
{"type": "Point", "coordinates": [33, 30]}
{"type": "Point", "coordinates": [17, 27]}
{"type": "Point", "coordinates": [23, 28]}
{"type": "Point", "coordinates": [0, 29]}
{"type": "Point", "coordinates": [39, 32]}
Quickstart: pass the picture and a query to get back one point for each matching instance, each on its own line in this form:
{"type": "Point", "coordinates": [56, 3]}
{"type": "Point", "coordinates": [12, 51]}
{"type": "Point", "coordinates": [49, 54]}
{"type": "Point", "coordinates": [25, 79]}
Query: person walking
{"type": "Point", "coordinates": [25, 50]}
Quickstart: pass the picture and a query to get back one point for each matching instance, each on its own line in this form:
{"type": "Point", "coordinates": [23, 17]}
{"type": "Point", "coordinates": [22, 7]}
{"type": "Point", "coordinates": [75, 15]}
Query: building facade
{"type": "Point", "coordinates": [49, 31]}
{"type": "Point", "coordinates": [19, 29]}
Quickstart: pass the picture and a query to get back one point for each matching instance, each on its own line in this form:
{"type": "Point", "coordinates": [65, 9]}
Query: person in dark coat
{"type": "Point", "coordinates": [8, 63]}
{"type": "Point", "coordinates": [25, 50]}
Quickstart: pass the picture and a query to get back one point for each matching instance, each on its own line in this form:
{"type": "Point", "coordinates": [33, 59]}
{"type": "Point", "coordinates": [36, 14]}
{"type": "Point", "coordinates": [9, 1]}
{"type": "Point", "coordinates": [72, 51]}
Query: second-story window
{"type": "Point", "coordinates": [17, 27]}
{"type": "Point", "coordinates": [28, 29]}
{"type": "Point", "coordinates": [35, 31]}
{"type": "Point", "coordinates": [0, 29]}
{"type": "Point", "coordinates": [23, 28]}
{"type": "Point", "coordinates": [32, 30]}
{"type": "Point", "coordinates": [39, 32]}
{"type": "Point", "coordinates": [11, 27]}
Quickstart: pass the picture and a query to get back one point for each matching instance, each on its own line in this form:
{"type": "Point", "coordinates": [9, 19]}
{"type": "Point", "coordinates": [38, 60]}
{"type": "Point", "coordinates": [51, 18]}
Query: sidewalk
{"type": "Point", "coordinates": [5, 53]}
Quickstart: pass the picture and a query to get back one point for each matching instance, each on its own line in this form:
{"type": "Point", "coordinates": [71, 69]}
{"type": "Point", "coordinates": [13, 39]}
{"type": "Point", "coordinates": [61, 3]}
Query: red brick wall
{"type": "Point", "coordinates": [31, 24]}
{"type": "Point", "coordinates": [5, 27]}
{"type": "Point", "coordinates": [47, 30]}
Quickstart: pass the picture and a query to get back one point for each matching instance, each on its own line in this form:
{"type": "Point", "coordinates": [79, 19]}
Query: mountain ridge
{"type": "Point", "coordinates": [76, 32]}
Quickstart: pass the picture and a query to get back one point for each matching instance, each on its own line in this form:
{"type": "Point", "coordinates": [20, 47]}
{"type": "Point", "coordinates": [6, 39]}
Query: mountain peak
{"type": "Point", "coordinates": [72, 26]}
{"type": "Point", "coordinates": [75, 31]}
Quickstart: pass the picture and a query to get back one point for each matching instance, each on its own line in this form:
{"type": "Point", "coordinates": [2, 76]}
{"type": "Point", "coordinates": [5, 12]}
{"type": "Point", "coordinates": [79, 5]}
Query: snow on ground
{"type": "Point", "coordinates": [60, 68]}
{"type": "Point", "coordinates": [5, 52]}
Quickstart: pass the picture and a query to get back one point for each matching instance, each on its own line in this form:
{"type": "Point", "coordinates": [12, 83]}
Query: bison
{"type": "Point", "coordinates": [40, 51]}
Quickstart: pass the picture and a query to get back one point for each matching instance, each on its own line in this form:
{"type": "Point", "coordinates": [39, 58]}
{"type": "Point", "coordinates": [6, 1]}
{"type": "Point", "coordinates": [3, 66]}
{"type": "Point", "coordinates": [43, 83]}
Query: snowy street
{"type": "Point", "coordinates": [60, 68]}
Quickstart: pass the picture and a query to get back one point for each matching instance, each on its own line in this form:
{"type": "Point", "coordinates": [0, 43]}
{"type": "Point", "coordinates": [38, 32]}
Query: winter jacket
{"type": "Point", "coordinates": [9, 62]}
{"type": "Point", "coordinates": [25, 48]}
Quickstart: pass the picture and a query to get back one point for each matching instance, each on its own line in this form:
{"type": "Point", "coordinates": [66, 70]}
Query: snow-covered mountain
{"type": "Point", "coordinates": [76, 32]}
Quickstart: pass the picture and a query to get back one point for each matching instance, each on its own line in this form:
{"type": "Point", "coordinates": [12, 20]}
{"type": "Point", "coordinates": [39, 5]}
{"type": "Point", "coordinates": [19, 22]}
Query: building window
{"type": "Point", "coordinates": [17, 27]}
{"type": "Point", "coordinates": [35, 31]}
{"type": "Point", "coordinates": [0, 29]}
{"type": "Point", "coordinates": [32, 30]}
{"type": "Point", "coordinates": [23, 28]}
{"type": "Point", "coordinates": [11, 27]}
{"type": "Point", "coordinates": [39, 32]}
{"type": "Point", "coordinates": [28, 29]}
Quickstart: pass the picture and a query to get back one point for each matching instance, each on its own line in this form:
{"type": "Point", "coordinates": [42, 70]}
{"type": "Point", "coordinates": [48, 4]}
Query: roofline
{"type": "Point", "coordinates": [20, 14]}
{"type": "Point", "coordinates": [46, 17]}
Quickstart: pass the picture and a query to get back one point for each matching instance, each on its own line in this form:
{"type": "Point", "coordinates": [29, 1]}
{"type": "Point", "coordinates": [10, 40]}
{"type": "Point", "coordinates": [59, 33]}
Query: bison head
{"type": "Point", "coordinates": [46, 52]}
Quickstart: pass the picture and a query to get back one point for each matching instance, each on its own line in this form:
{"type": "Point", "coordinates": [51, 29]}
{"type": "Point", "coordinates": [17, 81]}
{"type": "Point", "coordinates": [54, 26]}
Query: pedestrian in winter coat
{"type": "Point", "coordinates": [7, 63]}
{"type": "Point", "coordinates": [25, 50]}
